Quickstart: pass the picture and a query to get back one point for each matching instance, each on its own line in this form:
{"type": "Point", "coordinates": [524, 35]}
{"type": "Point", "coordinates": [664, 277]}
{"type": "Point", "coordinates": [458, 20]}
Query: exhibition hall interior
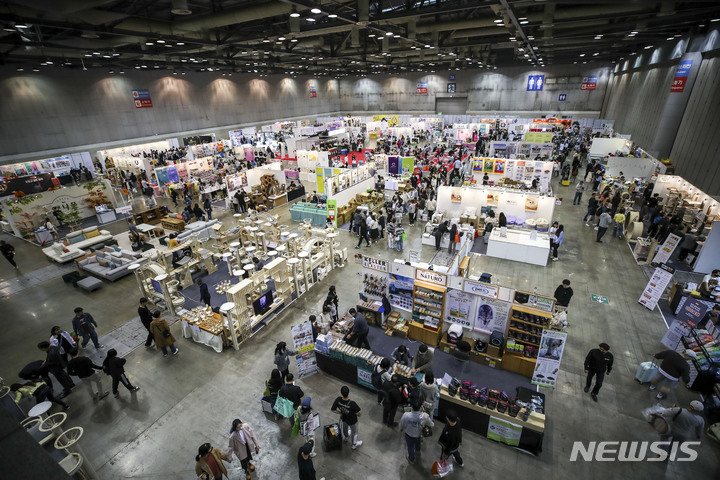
{"type": "Point", "coordinates": [359, 239]}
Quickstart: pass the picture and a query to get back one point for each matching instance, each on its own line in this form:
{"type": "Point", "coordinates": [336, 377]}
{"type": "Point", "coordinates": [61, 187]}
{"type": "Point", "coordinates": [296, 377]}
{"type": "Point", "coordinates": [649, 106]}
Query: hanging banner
{"type": "Point", "coordinates": [674, 335]}
{"type": "Point", "coordinates": [394, 165]}
{"type": "Point", "coordinates": [482, 289]}
{"type": "Point", "coordinates": [320, 179]}
{"type": "Point", "coordinates": [692, 312]}
{"type": "Point", "coordinates": [667, 249]}
{"type": "Point", "coordinates": [429, 276]}
{"type": "Point", "coordinates": [550, 354]}
{"type": "Point", "coordinates": [305, 345]}
{"type": "Point", "coordinates": [656, 286]}
{"type": "Point", "coordinates": [491, 315]}
{"type": "Point", "coordinates": [142, 98]}
{"type": "Point", "coordinates": [589, 83]}
{"type": "Point", "coordinates": [681, 76]}
{"type": "Point", "coordinates": [421, 88]}
{"type": "Point", "coordinates": [505, 432]}
{"type": "Point", "coordinates": [375, 264]}
{"type": "Point", "coordinates": [401, 292]}
{"type": "Point", "coordinates": [460, 308]}
{"type": "Point", "coordinates": [332, 211]}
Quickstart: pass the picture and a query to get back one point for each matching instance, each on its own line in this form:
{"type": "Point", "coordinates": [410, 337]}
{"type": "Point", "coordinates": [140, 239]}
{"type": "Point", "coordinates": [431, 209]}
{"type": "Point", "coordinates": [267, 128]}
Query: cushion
{"type": "Point", "coordinates": [103, 262]}
{"type": "Point", "coordinates": [66, 243]}
{"type": "Point", "coordinates": [93, 233]}
{"type": "Point", "coordinates": [58, 248]}
{"type": "Point", "coordinates": [112, 265]}
{"type": "Point", "coordinates": [99, 254]}
{"type": "Point", "coordinates": [116, 248]}
{"type": "Point", "coordinates": [65, 250]}
{"type": "Point", "coordinates": [88, 229]}
{"type": "Point", "coordinates": [117, 254]}
{"type": "Point", "coordinates": [92, 259]}
{"type": "Point", "coordinates": [75, 239]}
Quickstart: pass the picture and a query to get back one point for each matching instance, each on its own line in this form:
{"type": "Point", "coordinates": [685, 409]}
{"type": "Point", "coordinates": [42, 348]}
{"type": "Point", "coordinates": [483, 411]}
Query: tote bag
{"type": "Point", "coordinates": [284, 407]}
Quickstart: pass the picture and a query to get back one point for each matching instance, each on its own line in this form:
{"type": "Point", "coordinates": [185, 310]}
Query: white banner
{"type": "Point", "coordinates": [431, 277]}
{"type": "Point", "coordinates": [460, 308]}
{"type": "Point", "coordinates": [491, 315]}
{"type": "Point", "coordinates": [656, 286]}
{"type": "Point", "coordinates": [667, 249]}
{"type": "Point", "coordinates": [304, 344]}
{"type": "Point", "coordinates": [550, 354]}
{"type": "Point", "coordinates": [375, 264]}
{"type": "Point", "coordinates": [482, 289]}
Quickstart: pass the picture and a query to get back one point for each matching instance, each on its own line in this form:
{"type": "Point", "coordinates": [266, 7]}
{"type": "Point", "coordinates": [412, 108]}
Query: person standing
{"type": "Point", "coordinates": [453, 239]}
{"type": "Point", "coordinates": [603, 224]}
{"type": "Point", "coordinates": [332, 297]}
{"type": "Point", "coordinates": [412, 424]}
{"type": "Point", "coordinates": [399, 233]}
{"type": "Point", "coordinates": [204, 292]}
{"type": "Point", "coordinates": [209, 463]}
{"type": "Point", "coordinates": [591, 209]}
{"type": "Point", "coordinates": [451, 438]}
{"type": "Point", "coordinates": [207, 206]}
{"type": "Point", "coordinates": [282, 360]}
{"type": "Point", "coordinates": [674, 366]}
{"type": "Point", "coordinates": [8, 252]}
{"type": "Point", "coordinates": [293, 393]}
{"type": "Point", "coordinates": [430, 393]}
{"type": "Point", "coordinates": [422, 362]}
{"type": "Point", "coordinates": [306, 469]}
{"type": "Point", "coordinates": [598, 363]}
{"type": "Point", "coordinates": [619, 220]}
{"type": "Point", "coordinates": [162, 335]}
{"type": "Point", "coordinates": [441, 230]}
{"type": "Point", "coordinates": [114, 366]}
{"type": "Point", "coordinates": [51, 228]}
{"type": "Point", "coordinates": [685, 423]}
{"type": "Point", "coordinates": [146, 318]}
{"type": "Point", "coordinates": [563, 293]}
{"type": "Point", "coordinates": [84, 368]}
{"type": "Point", "coordinates": [55, 365]}
{"type": "Point", "coordinates": [391, 400]}
{"type": "Point", "coordinates": [243, 443]}
{"type": "Point", "coordinates": [84, 324]}
{"type": "Point", "coordinates": [412, 212]}
{"type": "Point", "coordinates": [360, 330]}
{"type": "Point", "coordinates": [559, 238]}
{"type": "Point", "coordinates": [349, 412]}
{"type": "Point", "coordinates": [64, 341]}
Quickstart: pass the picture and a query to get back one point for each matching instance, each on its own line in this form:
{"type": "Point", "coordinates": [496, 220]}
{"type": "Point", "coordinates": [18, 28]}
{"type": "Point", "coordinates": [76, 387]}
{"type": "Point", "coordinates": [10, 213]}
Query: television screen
{"type": "Point", "coordinates": [262, 304]}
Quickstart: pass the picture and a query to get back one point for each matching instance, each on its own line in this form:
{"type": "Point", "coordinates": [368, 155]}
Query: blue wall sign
{"type": "Point", "coordinates": [535, 83]}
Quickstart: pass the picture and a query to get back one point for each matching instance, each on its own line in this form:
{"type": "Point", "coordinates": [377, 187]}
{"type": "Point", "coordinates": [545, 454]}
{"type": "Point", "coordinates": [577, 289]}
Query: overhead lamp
{"type": "Point", "coordinates": [106, 56]}
{"type": "Point", "coordinates": [111, 71]}
{"type": "Point", "coordinates": [180, 44]}
{"type": "Point", "coordinates": [670, 38]}
{"type": "Point", "coordinates": [310, 19]}
{"type": "Point", "coordinates": [332, 15]}
{"type": "Point", "coordinates": [396, 36]}
{"type": "Point", "coordinates": [530, 37]}
{"type": "Point", "coordinates": [182, 73]}
{"type": "Point", "coordinates": [582, 55]}
{"type": "Point", "coordinates": [88, 54]}
{"type": "Point", "coordinates": [596, 54]}
{"type": "Point", "coordinates": [9, 28]}
{"type": "Point", "coordinates": [389, 34]}
{"type": "Point", "coordinates": [598, 36]}
{"type": "Point", "coordinates": [49, 62]}
{"type": "Point", "coordinates": [316, 10]}
{"type": "Point", "coordinates": [115, 54]}
{"type": "Point", "coordinates": [371, 35]}
{"type": "Point", "coordinates": [96, 53]}
{"type": "Point", "coordinates": [281, 38]}
{"type": "Point", "coordinates": [35, 69]}
{"type": "Point", "coordinates": [498, 20]}
{"type": "Point", "coordinates": [512, 39]}
{"type": "Point", "coordinates": [20, 25]}
{"type": "Point", "coordinates": [266, 40]}
{"type": "Point", "coordinates": [20, 69]}
{"type": "Point", "coordinates": [121, 72]}
{"type": "Point", "coordinates": [160, 40]}
{"type": "Point", "coordinates": [294, 40]}
{"type": "Point", "coordinates": [524, 21]}
{"type": "Point", "coordinates": [149, 43]}
{"type": "Point", "coordinates": [169, 45]}
{"type": "Point", "coordinates": [294, 13]}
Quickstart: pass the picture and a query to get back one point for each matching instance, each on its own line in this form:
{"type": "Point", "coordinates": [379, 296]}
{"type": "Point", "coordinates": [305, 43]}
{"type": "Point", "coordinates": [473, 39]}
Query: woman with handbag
{"type": "Point", "coordinates": [161, 334]}
{"type": "Point", "coordinates": [243, 443]}
{"type": "Point", "coordinates": [454, 239]}
{"type": "Point", "coordinates": [209, 463]}
{"type": "Point", "coordinates": [272, 387]}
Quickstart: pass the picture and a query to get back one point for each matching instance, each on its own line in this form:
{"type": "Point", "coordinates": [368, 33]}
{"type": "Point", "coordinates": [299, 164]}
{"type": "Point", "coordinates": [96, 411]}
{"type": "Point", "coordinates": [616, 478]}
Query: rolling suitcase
{"type": "Point", "coordinates": [332, 437]}
{"type": "Point", "coordinates": [646, 371]}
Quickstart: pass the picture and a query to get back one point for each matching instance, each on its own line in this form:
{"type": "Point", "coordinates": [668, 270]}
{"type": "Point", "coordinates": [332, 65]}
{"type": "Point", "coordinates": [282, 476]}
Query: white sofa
{"type": "Point", "coordinates": [117, 262]}
{"type": "Point", "coordinates": [72, 245]}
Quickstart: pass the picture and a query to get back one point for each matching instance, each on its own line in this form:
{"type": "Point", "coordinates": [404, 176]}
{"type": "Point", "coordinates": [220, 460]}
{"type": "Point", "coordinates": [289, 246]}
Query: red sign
{"type": "Point", "coordinates": [143, 103]}
{"type": "Point", "coordinates": [588, 86]}
{"type": "Point", "coordinates": [678, 84]}
{"type": "Point", "coordinates": [313, 94]}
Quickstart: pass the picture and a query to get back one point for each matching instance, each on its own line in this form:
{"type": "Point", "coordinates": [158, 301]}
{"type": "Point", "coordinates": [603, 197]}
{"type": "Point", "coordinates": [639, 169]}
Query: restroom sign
{"type": "Point", "coordinates": [562, 97]}
{"type": "Point", "coordinates": [535, 83]}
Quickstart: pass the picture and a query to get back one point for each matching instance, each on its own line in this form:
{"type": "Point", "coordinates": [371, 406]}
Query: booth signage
{"type": "Point", "coordinates": [142, 98]}
{"type": "Point", "coordinates": [313, 92]}
{"type": "Point", "coordinates": [332, 211]}
{"type": "Point", "coordinates": [375, 264]}
{"type": "Point", "coordinates": [422, 88]}
{"type": "Point", "coordinates": [692, 312]}
{"type": "Point", "coordinates": [21, 186]}
{"type": "Point", "coordinates": [681, 76]}
{"type": "Point", "coordinates": [656, 286]}
{"type": "Point", "coordinates": [431, 277]}
{"type": "Point", "coordinates": [562, 97]}
{"type": "Point", "coordinates": [547, 366]}
{"type": "Point", "coordinates": [589, 83]}
{"type": "Point", "coordinates": [674, 334]}
{"type": "Point", "coordinates": [451, 77]}
{"type": "Point", "coordinates": [482, 289]}
{"type": "Point", "coordinates": [535, 83]}
{"type": "Point", "coordinates": [545, 304]}
{"type": "Point", "coordinates": [364, 378]}
{"type": "Point", "coordinates": [504, 432]}
{"type": "Point", "coordinates": [667, 249]}
{"type": "Point", "coordinates": [305, 345]}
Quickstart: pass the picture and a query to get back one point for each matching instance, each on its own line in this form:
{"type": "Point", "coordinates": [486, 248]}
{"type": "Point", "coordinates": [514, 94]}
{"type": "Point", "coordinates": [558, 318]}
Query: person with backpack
{"type": "Point", "coordinates": [303, 414]}
{"type": "Point", "coordinates": [282, 360]}
{"type": "Point", "coordinates": [379, 376]}
{"type": "Point", "coordinates": [349, 412]}
{"type": "Point", "coordinates": [114, 366]}
{"type": "Point", "coordinates": [412, 423]}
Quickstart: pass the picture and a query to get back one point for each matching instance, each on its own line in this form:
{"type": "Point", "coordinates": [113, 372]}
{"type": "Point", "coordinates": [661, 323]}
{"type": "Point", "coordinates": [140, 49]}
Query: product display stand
{"type": "Point", "coordinates": [523, 342]}
{"type": "Point", "coordinates": [428, 308]}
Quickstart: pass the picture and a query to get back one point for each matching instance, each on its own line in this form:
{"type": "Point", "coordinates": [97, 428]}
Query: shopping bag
{"type": "Point", "coordinates": [284, 407]}
{"type": "Point", "coordinates": [442, 468]}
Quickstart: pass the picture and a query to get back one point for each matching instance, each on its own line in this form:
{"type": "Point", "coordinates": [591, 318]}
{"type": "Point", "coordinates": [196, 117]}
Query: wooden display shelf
{"type": "Point", "coordinates": [522, 341]}
{"type": "Point", "coordinates": [519, 364]}
{"type": "Point", "coordinates": [416, 331]}
{"type": "Point", "coordinates": [545, 325]}
{"type": "Point", "coordinates": [151, 216]}
{"type": "Point", "coordinates": [477, 357]}
{"type": "Point", "coordinates": [428, 305]}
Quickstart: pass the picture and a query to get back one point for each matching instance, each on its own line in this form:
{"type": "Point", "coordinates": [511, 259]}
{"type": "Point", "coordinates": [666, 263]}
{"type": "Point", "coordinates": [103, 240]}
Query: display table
{"type": "Point", "coordinates": [391, 184]}
{"type": "Point", "coordinates": [302, 210]}
{"type": "Point", "coordinates": [295, 194]}
{"type": "Point", "coordinates": [518, 246]}
{"type": "Point", "coordinates": [206, 328]}
{"type": "Point", "coordinates": [43, 236]}
{"type": "Point", "coordinates": [174, 224]}
{"type": "Point", "coordinates": [375, 311]}
{"type": "Point", "coordinates": [678, 299]}
{"type": "Point", "coordinates": [277, 200]}
{"type": "Point", "coordinates": [152, 216]}
{"type": "Point", "coordinates": [106, 216]}
{"type": "Point", "coordinates": [527, 436]}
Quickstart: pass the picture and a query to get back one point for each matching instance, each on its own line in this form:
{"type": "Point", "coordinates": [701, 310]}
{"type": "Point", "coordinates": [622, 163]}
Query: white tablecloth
{"type": "Point", "coordinates": [201, 336]}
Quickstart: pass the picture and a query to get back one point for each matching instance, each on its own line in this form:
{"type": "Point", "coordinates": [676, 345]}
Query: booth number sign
{"type": "Point", "coordinates": [375, 264]}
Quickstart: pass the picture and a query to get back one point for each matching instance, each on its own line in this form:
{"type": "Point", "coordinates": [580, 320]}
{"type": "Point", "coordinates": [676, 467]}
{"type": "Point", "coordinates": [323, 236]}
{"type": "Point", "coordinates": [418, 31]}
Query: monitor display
{"type": "Point", "coordinates": [262, 304]}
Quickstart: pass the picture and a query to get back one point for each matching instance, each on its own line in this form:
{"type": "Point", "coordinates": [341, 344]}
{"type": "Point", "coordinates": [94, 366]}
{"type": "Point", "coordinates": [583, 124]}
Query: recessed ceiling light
{"type": "Point", "coordinates": [180, 44]}
{"type": "Point", "coordinates": [20, 69]}
{"type": "Point", "coordinates": [396, 36]}
{"type": "Point", "coordinates": [293, 40]}
{"type": "Point", "coordinates": [389, 34]}
{"type": "Point", "coordinates": [670, 38]}
{"type": "Point", "coordinates": [20, 25]}
{"type": "Point", "coordinates": [310, 19]}
{"type": "Point", "coordinates": [35, 69]}
{"type": "Point", "coordinates": [316, 10]}
{"type": "Point", "coordinates": [295, 14]}
{"type": "Point", "coordinates": [332, 15]}
{"type": "Point", "coordinates": [648, 47]}
{"type": "Point", "coordinates": [582, 54]}
{"type": "Point", "coordinates": [160, 40]}
{"type": "Point", "coordinates": [530, 37]}
{"type": "Point", "coordinates": [281, 38]}
{"type": "Point", "coordinates": [149, 43]}
{"type": "Point", "coordinates": [596, 54]}
{"type": "Point", "coordinates": [371, 35]}
{"type": "Point", "coordinates": [524, 22]}
{"type": "Point", "coordinates": [265, 40]}
{"type": "Point", "coordinates": [498, 20]}
{"type": "Point", "coordinates": [49, 62]}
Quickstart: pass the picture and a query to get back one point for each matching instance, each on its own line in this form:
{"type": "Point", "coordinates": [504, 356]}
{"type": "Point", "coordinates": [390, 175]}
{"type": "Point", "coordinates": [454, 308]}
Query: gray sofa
{"type": "Point", "coordinates": [110, 265]}
{"type": "Point", "coordinates": [203, 230]}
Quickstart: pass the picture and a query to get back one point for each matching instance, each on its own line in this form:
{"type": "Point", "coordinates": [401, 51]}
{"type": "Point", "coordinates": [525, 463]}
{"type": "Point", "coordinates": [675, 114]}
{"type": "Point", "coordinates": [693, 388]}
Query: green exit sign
{"type": "Point", "coordinates": [599, 299]}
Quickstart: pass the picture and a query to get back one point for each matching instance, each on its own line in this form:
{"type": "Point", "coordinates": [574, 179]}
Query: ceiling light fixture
{"type": "Point", "coordinates": [281, 38]}
{"type": "Point", "coordinates": [180, 44]}
{"type": "Point", "coordinates": [160, 40]}
{"type": "Point", "coordinates": [20, 25]}
{"type": "Point", "coordinates": [294, 40]}
{"type": "Point", "coordinates": [310, 19]}
{"type": "Point", "coordinates": [332, 15]}
{"type": "Point", "coordinates": [20, 69]}
{"type": "Point", "coordinates": [389, 34]}
{"type": "Point", "coordinates": [9, 28]}
{"type": "Point", "coordinates": [294, 13]}
{"type": "Point", "coordinates": [35, 69]}
{"type": "Point", "coordinates": [316, 11]}
{"type": "Point", "coordinates": [265, 40]}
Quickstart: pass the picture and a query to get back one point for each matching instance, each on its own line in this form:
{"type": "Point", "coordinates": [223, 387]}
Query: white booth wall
{"type": "Point", "coordinates": [633, 167]}
{"type": "Point", "coordinates": [508, 201]}
{"type": "Point", "coordinates": [601, 147]}
{"type": "Point", "coordinates": [709, 258]}
{"type": "Point", "coordinates": [344, 196]}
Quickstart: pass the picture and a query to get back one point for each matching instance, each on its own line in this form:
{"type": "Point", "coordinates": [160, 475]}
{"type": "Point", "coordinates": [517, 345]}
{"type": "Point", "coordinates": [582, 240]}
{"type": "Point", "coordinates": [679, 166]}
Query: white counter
{"type": "Point", "coordinates": [518, 246]}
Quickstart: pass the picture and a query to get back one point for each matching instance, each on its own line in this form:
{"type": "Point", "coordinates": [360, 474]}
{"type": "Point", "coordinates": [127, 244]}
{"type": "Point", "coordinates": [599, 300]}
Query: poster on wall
{"type": "Point", "coordinates": [304, 344]}
{"type": "Point", "coordinates": [408, 165]}
{"type": "Point", "coordinates": [173, 174]}
{"type": "Point", "coordinates": [499, 167]}
{"type": "Point", "coordinates": [162, 176]}
{"type": "Point", "coordinates": [491, 314]}
{"type": "Point", "coordinates": [510, 168]}
{"type": "Point", "coordinates": [550, 354]}
{"type": "Point", "coordinates": [478, 165]}
{"type": "Point", "coordinates": [394, 165]}
{"type": "Point", "coordinates": [456, 195]}
{"type": "Point", "coordinates": [692, 312]}
{"type": "Point", "coordinates": [531, 204]}
{"type": "Point", "coordinates": [656, 286]}
{"type": "Point", "coordinates": [181, 170]}
{"type": "Point", "coordinates": [488, 165]}
{"type": "Point", "coordinates": [460, 308]}
{"type": "Point", "coordinates": [401, 292]}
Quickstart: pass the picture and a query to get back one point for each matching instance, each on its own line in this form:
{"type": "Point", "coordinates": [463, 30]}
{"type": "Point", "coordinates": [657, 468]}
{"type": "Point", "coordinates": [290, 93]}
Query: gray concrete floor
{"type": "Point", "coordinates": [192, 398]}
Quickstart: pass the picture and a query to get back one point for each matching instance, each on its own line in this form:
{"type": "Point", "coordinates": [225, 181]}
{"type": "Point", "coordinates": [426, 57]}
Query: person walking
{"type": "Point", "coordinates": [559, 238]}
{"type": "Point", "coordinates": [364, 235]}
{"type": "Point", "coordinates": [674, 366]}
{"type": "Point", "coordinates": [84, 324]}
{"type": "Point", "coordinates": [684, 423]}
{"type": "Point", "coordinates": [37, 389]}
{"type": "Point", "coordinates": [451, 438]}
{"type": "Point", "coordinates": [162, 335]}
{"type": "Point", "coordinates": [579, 189]}
{"type": "Point", "coordinates": [306, 469]}
{"type": "Point", "coordinates": [204, 292]}
{"type": "Point", "coordinates": [64, 341]}
{"type": "Point", "coordinates": [84, 368]}
{"type": "Point", "coordinates": [209, 463]}
{"type": "Point", "coordinates": [603, 224]}
{"type": "Point", "coordinates": [391, 400]}
{"type": "Point", "coordinates": [349, 412]}
{"type": "Point", "coordinates": [272, 387]}
{"type": "Point", "coordinates": [412, 212]}
{"type": "Point", "coordinates": [8, 252]}
{"type": "Point", "coordinates": [591, 209]}
{"type": "Point", "coordinates": [243, 443]}
{"type": "Point", "coordinates": [281, 360]}
{"type": "Point", "coordinates": [51, 228]}
{"type": "Point", "coordinates": [146, 318]}
{"type": "Point", "coordinates": [55, 365]}
{"type": "Point", "coordinates": [114, 366]}
{"type": "Point", "coordinates": [412, 424]}
{"type": "Point", "coordinates": [563, 293]}
{"type": "Point", "coordinates": [303, 414]}
{"type": "Point", "coordinates": [360, 330]}
{"type": "Point", "coordinates": [598, 363]}
{"type": "Point", "coordinates": [291, 392]}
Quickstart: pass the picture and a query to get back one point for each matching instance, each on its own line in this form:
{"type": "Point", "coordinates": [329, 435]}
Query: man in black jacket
{"type": "Point", "coordinates": [451, 438]}
{"type": "Point", "coordinates": [146, 317]}
{"type": "Point", "coordinates": [84, 368]}
{"type": "Point", "coordinates": [598, 363]}
{"type": "Point", "coordinates": [54, 364]}
{"type": "Point", "coordinates": [291, 392]}
{"type": "Point", "coordinates": [392, 400]}
{"type": "Point", "coordinates": [563, 293]}
{"type": "Point", "coordinates": [113, 366]}
{"type": "Point", "coordinates": [674, 366]}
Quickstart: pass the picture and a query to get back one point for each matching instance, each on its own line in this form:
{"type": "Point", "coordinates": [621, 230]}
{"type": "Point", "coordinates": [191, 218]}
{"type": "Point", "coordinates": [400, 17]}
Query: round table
{"type": "Point", "coordinates": [303, 255]}
{"type": "Point", "coordinates": [250, 249]}
{"type": "Point", "coordinates": [40, 409]}
{"type": "Point", "coordinates": [238, 272]}
{"type": "Point", "coordinates": [272, 253]}
{"type": "Point", "coordinates": [253, 229]}
{"type": "Point", "coordinates": [234, 245]}
{"type": "Point", "coordinates": [249, 268]}
{"type": "Point", "coordinates": [293, 261]}
{"type": "Point", "coordinates": [227, 306]}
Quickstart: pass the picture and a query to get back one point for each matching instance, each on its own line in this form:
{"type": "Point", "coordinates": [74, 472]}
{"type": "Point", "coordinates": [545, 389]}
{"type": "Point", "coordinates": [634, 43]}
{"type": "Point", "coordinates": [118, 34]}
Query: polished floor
{"type": "Point", "coordinates": [193, 397]}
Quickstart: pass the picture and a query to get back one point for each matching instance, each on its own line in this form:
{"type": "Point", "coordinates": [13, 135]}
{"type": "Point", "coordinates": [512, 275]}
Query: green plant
{"type": "Point", "coordinates": [71, 217]}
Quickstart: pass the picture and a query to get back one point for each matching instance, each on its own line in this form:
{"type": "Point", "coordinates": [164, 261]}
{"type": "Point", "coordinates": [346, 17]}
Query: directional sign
{"type": "Point", "coordinates": [562, 97]}
{"type": "Point", "coordinates": [599, 299]}
{"type": "Point", "coordinates": [589, 83]}
{"type": "Point", "coordinates": [683, 71]}
{"type": "Point", "coordinates": [535, 83]}
{"type": "Point", "coordinates": [142, 99]}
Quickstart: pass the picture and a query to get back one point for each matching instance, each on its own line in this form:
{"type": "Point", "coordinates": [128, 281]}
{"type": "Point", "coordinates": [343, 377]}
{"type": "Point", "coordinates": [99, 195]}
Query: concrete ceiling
{"type": "Point", "coordinates": [346, 37]}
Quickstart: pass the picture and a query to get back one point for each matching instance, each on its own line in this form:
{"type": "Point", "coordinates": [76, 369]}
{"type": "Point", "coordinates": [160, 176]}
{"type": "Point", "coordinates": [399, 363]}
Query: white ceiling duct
{"type": "Point", "coordinates": [180, 7]}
